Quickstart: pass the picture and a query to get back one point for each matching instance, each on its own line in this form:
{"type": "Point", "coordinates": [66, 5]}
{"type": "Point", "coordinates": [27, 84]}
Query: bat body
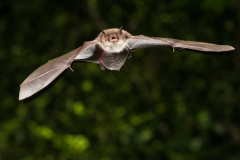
{"type": "Point", "coordinates": [110, 50]}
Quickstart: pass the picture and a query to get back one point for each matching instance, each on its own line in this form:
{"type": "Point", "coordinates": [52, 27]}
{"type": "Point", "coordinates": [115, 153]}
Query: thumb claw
{"type": "Point", "coordinates": [70, 68]}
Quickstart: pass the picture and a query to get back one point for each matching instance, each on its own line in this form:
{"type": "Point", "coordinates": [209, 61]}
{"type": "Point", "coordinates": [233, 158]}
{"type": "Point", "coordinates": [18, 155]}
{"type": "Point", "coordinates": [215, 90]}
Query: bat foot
{"type": "Point", "coordinates": [173, 49]}
{"type": "Point", "coordinates": [129, 52]}
{"type": "Point", "coordinates": [129, 55]}
{"type": "Point", "coordinates": [102, 66]}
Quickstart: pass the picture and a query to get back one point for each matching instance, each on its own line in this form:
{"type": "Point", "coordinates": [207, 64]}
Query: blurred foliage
{"type": "Point", "coordinates": [162, 105]}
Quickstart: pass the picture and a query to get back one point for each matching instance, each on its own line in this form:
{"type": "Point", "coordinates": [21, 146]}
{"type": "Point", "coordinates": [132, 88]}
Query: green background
{"type": "Point", "coordinates": [161, 105]}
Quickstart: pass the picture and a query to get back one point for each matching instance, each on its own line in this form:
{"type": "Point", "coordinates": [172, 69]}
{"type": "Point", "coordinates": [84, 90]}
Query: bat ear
{"type": "Point", "coordinates": [120, 30]}
{"type": "Point", "coordinates": [103, 31]}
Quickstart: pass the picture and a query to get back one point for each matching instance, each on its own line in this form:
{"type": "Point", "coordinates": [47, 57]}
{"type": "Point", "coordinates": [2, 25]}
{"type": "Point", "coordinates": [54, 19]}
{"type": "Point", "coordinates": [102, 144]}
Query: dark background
{"type": "Point", "coordinates": [162, 105]}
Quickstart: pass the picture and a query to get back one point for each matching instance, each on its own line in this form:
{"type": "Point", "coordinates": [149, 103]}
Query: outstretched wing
{"type": "Point", "coordinates": [141, 41]}
{"type": "Point", "coordinates": [45, 74]}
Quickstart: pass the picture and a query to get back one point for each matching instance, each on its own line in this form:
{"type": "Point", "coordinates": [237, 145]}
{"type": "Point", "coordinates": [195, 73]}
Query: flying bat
{"type": "Point", "coordinates": [110, 50]}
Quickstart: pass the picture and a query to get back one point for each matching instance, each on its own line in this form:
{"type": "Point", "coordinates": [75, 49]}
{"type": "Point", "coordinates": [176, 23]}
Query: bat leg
{"type": "Point", "coordinates": [129, 52]}
{"type": "Point", "coordinates": [100, 61]}
{"type": "Point", "coordinates": [102, 66]}
{"type": "Point", "coordinates": [129, 55]}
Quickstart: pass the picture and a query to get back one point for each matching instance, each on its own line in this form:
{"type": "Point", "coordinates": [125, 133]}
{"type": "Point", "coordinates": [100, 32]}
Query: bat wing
{"type": "Point", "coordinates": [45, 74]}
{"type": "Point", "coordinates": [114, 61]}
{"type": "Point", "coordinates": [141, 41]}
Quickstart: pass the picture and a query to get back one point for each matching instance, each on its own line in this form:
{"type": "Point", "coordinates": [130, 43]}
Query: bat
{"type": "Point", "coordinates": [110, 50]}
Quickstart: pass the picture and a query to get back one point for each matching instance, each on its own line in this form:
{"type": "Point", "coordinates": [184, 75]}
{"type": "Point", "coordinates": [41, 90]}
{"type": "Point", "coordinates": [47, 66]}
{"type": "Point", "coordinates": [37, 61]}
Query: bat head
{"type": "Point", "coordinates": [113, 35]}
{"type": "Point", "coordinates": [113, 40]}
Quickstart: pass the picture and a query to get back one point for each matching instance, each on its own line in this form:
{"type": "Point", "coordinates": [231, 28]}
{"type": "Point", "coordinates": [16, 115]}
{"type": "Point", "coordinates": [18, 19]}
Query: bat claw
{"type": "Point", "coordinates": [70, 68]}
{"type": "Point", "coordinates": [173, 45]}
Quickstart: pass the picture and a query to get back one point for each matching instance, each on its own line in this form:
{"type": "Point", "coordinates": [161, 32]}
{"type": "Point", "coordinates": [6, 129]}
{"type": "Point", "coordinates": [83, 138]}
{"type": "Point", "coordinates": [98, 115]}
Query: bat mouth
{"type": "Point", "coordinates": [113, 38]}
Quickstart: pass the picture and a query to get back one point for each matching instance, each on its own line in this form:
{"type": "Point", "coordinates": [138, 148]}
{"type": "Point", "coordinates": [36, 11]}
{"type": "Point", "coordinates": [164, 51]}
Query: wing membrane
{"type": "Point", "coordinates": [45, 74]}
{"type": "Point", "coordinates": [114, 61]}
{"type": "Point", "coordinates": [139, 42]}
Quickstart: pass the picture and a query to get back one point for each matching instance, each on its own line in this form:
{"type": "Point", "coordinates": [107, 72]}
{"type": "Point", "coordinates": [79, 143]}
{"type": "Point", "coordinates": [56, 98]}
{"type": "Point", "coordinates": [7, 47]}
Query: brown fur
{"type": "Point", "coordinates": [105, 35]}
